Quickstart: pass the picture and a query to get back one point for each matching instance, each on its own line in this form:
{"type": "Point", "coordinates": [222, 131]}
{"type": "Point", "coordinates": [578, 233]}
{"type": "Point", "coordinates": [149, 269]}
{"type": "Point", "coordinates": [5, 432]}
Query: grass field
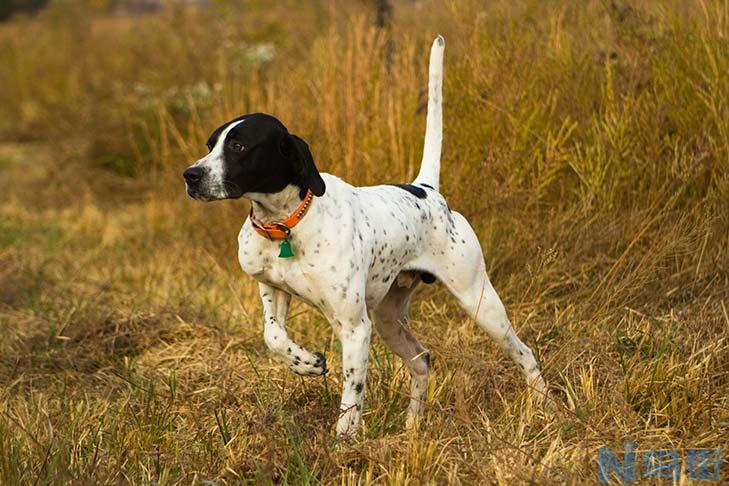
{"type": "Point", "coordinates": [587, 142]}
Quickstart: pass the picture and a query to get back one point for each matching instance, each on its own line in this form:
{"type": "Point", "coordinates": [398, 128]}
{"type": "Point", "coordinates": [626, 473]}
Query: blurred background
{"type": "Point", "coordinates": [586, 141]}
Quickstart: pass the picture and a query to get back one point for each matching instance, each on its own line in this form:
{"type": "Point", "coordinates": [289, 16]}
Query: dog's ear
{"type": "Point", "coordinates": [298, 151]}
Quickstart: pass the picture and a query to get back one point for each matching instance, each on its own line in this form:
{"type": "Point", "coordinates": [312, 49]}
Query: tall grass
{"type": "Point", "coordinates": [588, 143]}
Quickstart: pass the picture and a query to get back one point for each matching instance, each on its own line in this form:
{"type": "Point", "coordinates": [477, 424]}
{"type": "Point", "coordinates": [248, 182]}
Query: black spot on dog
{"type": "Point", "coordinates": [359, 387]}
{"type": "Point", "coordinates": [416, 191]}
{"type": "Point", "coordinates": [427, 185]}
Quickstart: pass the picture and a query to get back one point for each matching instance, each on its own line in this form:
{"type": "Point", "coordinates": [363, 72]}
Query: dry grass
{"type": "Point", "coordinates": [588, 141]}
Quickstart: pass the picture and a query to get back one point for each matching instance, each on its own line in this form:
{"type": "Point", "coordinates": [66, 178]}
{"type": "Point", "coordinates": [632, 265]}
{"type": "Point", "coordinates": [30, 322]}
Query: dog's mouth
{"type": "Point", "coordinates": [200, 195]}
{"type": "Point", "coordinates": [206, 192]}
{"type": "Point", "coordinates": [195, 195]}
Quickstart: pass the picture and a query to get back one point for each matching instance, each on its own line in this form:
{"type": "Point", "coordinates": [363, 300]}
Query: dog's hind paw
{"type": "Point", "coordinates": [317, 367]}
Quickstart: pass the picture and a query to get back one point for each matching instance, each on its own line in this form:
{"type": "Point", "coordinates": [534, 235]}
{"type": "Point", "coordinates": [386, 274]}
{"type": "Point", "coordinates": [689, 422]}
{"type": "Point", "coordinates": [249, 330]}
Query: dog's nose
{"type": "Point", "coordinates": [193, 174]}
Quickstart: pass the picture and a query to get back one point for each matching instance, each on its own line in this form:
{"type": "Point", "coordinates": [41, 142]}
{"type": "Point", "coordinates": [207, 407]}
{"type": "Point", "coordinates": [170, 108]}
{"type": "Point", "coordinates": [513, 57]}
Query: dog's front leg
{"type": "Point", "coordinates": [355, 338]}
{"type": "Point", "coordinates": [299, 360]}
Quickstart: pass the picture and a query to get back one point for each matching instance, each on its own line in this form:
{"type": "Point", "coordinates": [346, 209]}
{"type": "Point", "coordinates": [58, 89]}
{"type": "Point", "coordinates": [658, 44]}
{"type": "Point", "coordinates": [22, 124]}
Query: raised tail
{"type": "Point", "coordinates": [430, 166]}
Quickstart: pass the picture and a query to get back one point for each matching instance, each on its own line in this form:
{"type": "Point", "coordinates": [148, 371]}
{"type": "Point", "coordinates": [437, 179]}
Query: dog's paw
{"type": "Point", "coordinates": [316, 365]}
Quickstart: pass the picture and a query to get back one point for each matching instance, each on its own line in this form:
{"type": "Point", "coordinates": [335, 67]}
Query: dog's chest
{"type": "Point", "coordinates": [259, 258]}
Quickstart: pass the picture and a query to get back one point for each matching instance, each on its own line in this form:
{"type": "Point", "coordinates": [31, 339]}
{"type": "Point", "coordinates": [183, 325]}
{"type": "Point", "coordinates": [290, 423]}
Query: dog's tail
{"type": "Point", "coordinates": [430, 166]}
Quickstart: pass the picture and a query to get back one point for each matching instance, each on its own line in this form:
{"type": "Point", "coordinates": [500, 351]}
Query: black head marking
{"type": "Point", "coordinates": [260, 155]}
{"type": "Point", "coordinates": [213, 139]}
{"type": "Point", "coordinates": [304, 165]}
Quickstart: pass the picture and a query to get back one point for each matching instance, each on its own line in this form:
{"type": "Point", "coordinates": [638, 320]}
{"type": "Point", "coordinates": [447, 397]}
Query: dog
{"type": "Point", "coordinates": [348, 250]}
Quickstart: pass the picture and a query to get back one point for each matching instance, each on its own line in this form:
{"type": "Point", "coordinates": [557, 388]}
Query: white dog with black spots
{"type": "Point", "coordinates": [358, 252]}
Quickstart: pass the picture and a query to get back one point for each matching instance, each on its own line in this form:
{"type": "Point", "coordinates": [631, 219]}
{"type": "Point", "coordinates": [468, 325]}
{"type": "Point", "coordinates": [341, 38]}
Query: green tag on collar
{"type": "Point", "coordinates": [285, 249]}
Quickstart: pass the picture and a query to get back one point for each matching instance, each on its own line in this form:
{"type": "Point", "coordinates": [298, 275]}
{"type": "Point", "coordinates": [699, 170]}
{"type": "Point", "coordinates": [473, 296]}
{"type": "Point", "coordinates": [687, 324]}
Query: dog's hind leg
{"type": "Point", "coordinates": [391, 322]}
{"type": "Point", "coordinates": [462, 269]}
{"type": "Point", "coordinates": [299, 360]}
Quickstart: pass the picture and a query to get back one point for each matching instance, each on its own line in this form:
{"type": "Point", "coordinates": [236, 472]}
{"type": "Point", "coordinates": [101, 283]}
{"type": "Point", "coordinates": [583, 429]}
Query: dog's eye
{"type": "Point", "coordinates": [236, 146]}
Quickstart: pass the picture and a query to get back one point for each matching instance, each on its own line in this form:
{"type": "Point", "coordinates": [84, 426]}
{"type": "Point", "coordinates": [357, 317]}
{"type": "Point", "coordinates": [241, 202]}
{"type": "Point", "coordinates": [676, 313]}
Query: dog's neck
{"type": "Point", "coordinates": [277, 206]}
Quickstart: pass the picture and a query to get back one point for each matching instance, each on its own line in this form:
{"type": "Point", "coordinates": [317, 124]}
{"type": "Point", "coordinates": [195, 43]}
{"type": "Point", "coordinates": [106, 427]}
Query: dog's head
{"type": "Point", "coordinates": [252, 154]}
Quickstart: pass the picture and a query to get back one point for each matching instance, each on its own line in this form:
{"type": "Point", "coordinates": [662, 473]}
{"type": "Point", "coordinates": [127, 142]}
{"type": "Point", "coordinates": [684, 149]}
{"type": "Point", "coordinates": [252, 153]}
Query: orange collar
{"type": "Point", "coordinates": [281, 230]}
